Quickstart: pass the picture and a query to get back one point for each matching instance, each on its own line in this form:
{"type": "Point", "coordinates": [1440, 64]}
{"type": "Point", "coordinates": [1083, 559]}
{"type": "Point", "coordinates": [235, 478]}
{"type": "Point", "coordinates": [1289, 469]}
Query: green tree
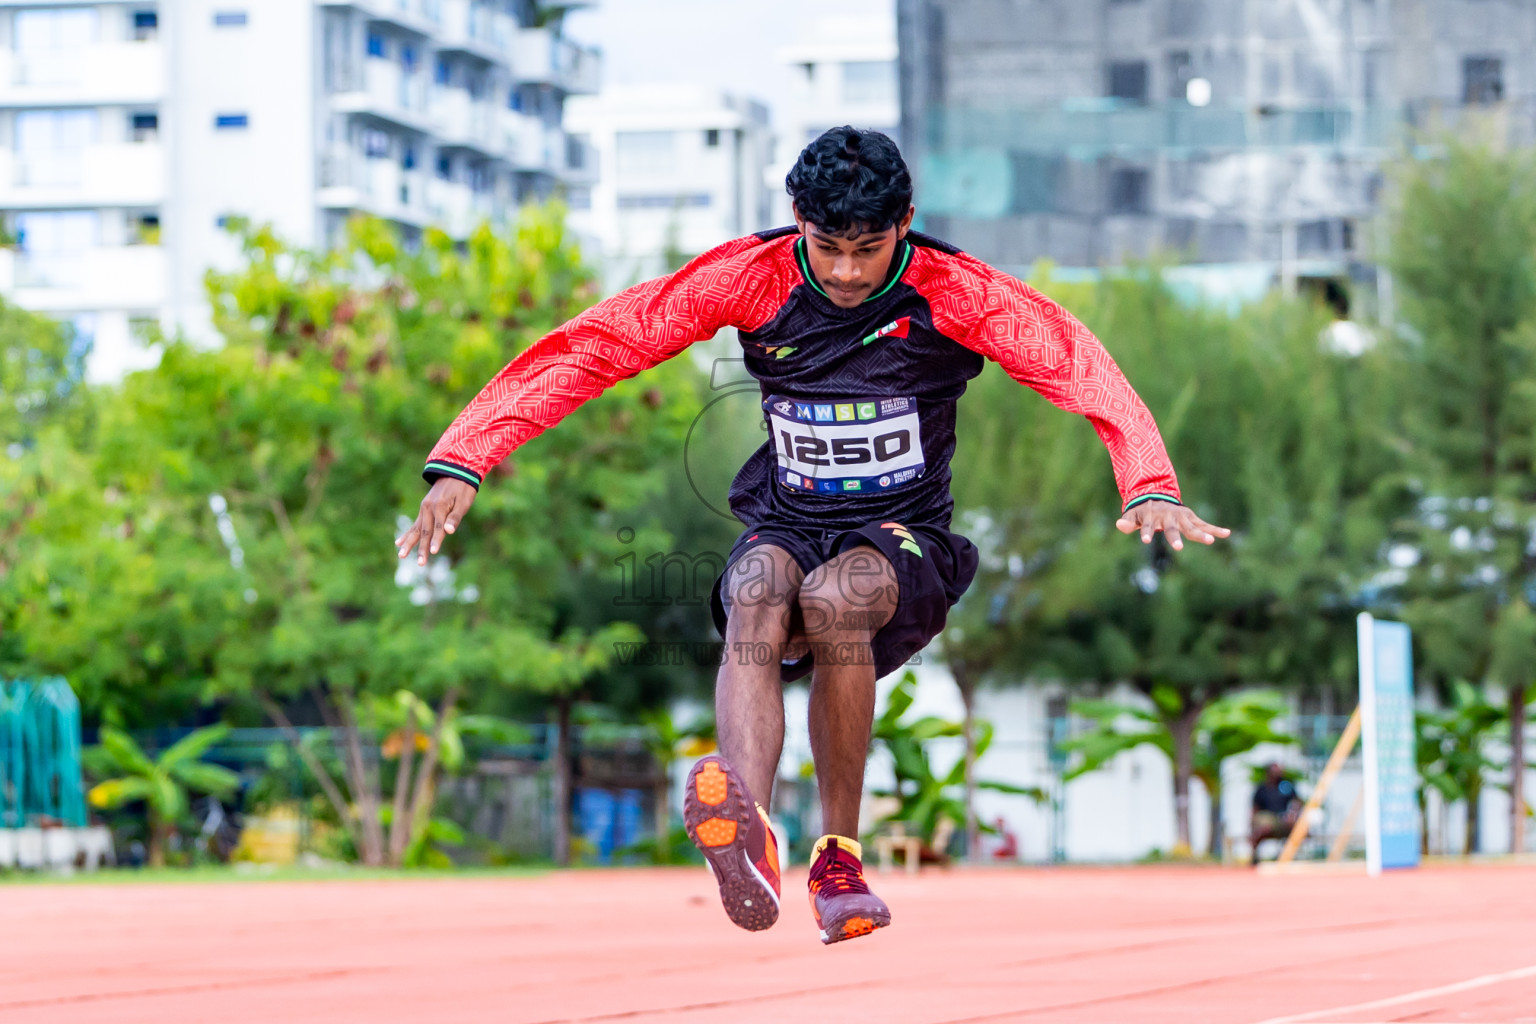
{"type": "Point", "coordinates": [1451, 752]}
{"type": "Point", "coordinates": [1463, 256]}
{"type": "Point", "coordinates": [231, 540]}
{"type": "Point", "coordinates": [1231, 725]}
{"type": "Point", "coordinates": [162, 782]}
{"type": "Point", "coordinates": [927, 797]}
{"type": "Point", "coordinates": [1270, 435]}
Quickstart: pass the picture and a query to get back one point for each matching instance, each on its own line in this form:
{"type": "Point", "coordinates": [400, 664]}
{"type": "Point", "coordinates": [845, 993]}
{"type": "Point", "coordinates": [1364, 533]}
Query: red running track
{"type": "Point", "coordinates": [1154, 945]}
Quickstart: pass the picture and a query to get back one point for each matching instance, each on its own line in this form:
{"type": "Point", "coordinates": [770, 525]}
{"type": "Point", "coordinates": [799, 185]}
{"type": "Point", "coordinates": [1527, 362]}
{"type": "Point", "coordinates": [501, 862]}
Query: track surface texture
{"type": "Point", "coordinates": [1121, 946]}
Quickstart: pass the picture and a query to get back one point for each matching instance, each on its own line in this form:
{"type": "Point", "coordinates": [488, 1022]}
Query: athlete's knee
{"type": "Point", "coordinates": [761, 587]}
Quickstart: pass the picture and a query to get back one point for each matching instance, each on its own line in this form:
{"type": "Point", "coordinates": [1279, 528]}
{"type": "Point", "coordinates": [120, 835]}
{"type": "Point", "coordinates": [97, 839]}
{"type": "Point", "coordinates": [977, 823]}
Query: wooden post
{"type": "Point", "coordinates": [1320, 791]}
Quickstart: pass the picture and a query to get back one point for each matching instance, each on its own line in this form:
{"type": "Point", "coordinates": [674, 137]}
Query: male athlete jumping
{"type": "Point", "coordinates": [863, 334]}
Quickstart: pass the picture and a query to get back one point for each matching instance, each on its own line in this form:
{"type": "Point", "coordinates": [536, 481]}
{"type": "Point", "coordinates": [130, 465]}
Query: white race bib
{"type": "Point", "coordinates": [846, 445]}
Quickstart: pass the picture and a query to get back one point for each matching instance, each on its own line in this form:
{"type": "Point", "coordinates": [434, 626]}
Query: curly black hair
{"type": "Point", "coordinates": [848, 181]}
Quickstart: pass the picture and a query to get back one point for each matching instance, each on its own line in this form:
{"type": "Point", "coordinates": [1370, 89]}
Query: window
{"type": "Point", "coordinates": [63, 29]}
{"type": "Point", "coordinates": [408, 159]}
{"type": "Point", "coordinates": [229, 19]}
{"type": "Point", "coordinates": [1128, 190]}
{"type": "Point", "coordinates": [1482, 80]}
{"type": "Point", "coordinates": [146, 25]}
{"type": "Point", "coordinates": [444, 167]}
{"type": "Point", "coordinates": [145, 127]}
{"type": "Point", "coordinates": [442, 71]}
{"type": "Point", "coordinates": [645, 153]}
{"type": "Point", "coordinates": [375, 143]}
{"type": "Point", "coordinates": [869, 81]}
{"type": "Point", "coordinates": [515, 98]}
{"type": "Point", "coordinates": [222, 121]}
{"type": "Point", "coordinates": [145, 229]}
{"type": "Point", "coordinates": [712, 137]}
{"type": "Point", "coordinates": [376, 45]}
{"type": "Point", "coordinates": [408, 58]}
{"type": "Point", "coordinates": [1128, 80]}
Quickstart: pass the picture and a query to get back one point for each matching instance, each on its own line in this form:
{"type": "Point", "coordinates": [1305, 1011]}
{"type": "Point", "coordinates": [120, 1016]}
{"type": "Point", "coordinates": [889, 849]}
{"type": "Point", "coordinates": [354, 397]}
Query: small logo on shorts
{"type": "Point", "coordinates": [885, 481]}
{"type": "Point", "coordinates": [908, 542]}
{"type": "Point", "coordinates": [850, 485]}
{"type": "Point", "coordinates": [794, 479]}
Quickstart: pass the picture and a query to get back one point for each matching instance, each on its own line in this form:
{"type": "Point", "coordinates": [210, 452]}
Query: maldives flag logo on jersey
{"type": "Point", "coordinates": [896, 327]}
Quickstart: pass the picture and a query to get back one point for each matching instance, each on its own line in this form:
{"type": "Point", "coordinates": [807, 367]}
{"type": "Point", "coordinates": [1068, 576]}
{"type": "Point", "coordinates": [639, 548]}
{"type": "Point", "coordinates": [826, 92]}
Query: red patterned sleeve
{"type": "Point", "coordinates": [1043, 346]}
{"type": "Point", "coordinates": [739, 284]}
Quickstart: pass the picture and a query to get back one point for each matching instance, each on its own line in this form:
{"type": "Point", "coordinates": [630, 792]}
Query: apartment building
{"type": "Point", "coordinates": [682, 171]}
{"type": "Point", "coordinates": [843, 72]}
{"type": "Point", "coordinates": [130, 132]}
{"type": "Point", "coordinates": [1245, 135]}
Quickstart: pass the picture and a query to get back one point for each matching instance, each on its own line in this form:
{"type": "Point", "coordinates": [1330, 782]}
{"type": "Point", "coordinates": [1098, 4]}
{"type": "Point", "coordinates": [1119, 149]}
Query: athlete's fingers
{"type": "Point", "coordinates": [1201, 530]}
{"type": "Point", "coordinates": [439, 521]}
{"type": "Point", "coordinates": [1172, 535]}
{"type": "Point", "coordinates": [1125, 524]}
{"type": "Point", "coordinates": [1147, 530]}
{"type": "Point", "coordinates": [460, 505]}
{"type": "Point", "coordinates": [425, 522]}
{"type": "Point", "coordinates": [407, 540]}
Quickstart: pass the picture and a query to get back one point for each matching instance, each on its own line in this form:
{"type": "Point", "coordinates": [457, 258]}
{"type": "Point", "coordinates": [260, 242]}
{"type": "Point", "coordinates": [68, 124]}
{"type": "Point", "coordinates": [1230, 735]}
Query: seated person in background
{"type": "Point", "coordinates": [1275, 808]}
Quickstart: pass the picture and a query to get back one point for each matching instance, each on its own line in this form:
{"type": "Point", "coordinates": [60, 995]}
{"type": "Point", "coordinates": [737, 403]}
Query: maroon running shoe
{"type": "Point", "coordinates": [840, 898]}
{"type": "Point", "coordinates": [733, 832]}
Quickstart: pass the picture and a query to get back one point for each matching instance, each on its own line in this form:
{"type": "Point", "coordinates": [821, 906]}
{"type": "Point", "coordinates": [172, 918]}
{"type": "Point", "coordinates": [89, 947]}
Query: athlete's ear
{"type": "Point", "coordinates": [905, 223]}
{"type": "Point", "coordinates": [799, 220]}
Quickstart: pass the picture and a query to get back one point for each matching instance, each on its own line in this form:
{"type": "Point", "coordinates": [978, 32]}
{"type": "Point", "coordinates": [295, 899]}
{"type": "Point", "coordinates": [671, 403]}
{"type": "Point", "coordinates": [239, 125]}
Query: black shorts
{"type": "Point", "coordinates": [930, 580]}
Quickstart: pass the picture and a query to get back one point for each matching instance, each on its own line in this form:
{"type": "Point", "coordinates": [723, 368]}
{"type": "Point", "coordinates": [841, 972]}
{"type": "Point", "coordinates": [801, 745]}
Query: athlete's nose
{"type": "Point", "coordinates": [845, 273]}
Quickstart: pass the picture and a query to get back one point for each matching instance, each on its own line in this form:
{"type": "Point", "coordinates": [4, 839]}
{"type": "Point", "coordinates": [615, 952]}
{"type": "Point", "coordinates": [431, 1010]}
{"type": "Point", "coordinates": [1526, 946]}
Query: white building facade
{"type": "Point", "coordinates": [131, 131]}
{"type": "Point", "coordinates": [682, 170]}
{"type": "Point", "coordinates": [844, 73]}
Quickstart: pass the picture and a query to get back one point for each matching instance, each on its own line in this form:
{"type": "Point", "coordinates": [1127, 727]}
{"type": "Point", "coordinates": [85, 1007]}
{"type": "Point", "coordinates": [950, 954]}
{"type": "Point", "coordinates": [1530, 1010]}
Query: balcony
{"type": "Point", "coordinates": [106, 174]}
{"type": "Point", "coordinates": [388, 94]}
{"type": "Point", "coordinates": [467, 123]}
{"type": "Point", "coordinates": [349, 181]}
{"type": "Point", "coordinates": [532, 144]}
{"type": "Point", "coordinates": [422, 17]}
{"type": "Point", "coordinates": [103, 277]}
{"type": "Point", "coordinates": [476, 29]}
{"type": "Point", "coordinates": [98, 74]}
{"type": "Point", "coordinates": [541, 55]}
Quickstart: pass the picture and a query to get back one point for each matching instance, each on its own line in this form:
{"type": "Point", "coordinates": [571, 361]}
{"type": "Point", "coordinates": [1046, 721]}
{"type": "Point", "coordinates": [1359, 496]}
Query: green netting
{"type": "Point", "coordinates": [40, 754]}
{"type": "Point", "coordinates": [13, 765]}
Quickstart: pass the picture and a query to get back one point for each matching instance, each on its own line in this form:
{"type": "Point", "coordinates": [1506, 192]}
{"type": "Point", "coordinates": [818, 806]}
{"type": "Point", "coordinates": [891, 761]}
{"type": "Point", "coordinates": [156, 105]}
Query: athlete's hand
{"type": "Point", "coordinates": [1176, 522]}
{"type": "Point", "coordinates": [441, 510]}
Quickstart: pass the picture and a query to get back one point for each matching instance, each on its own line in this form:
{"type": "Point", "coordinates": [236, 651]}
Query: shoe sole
{"type": "Point", "coordinates": [718, 813]}
{"type": "Point", "coordinates": [854, 926]}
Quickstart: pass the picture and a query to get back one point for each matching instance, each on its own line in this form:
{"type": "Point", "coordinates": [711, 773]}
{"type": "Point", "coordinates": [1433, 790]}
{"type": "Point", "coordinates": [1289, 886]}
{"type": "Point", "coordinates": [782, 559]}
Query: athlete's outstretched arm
{"type": "Point", "coordinates": [731, 285]}
{"type": "Point", "coordinates": [1046, 348]}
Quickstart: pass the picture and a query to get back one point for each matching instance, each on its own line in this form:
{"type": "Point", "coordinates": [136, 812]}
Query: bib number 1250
{"type": "Point", "coordinates": [846, 445]}
{"type": "Point", "coordinates": [847, 451]}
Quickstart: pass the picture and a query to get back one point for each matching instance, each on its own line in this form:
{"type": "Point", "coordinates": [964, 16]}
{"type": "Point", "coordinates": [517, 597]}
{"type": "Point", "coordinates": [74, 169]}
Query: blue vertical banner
{"type": "Point", "coordinates": [1387, 745]}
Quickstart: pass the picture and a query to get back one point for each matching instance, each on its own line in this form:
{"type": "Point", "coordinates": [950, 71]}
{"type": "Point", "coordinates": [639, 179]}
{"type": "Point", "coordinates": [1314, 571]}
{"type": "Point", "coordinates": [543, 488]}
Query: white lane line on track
{"type": "Point", "coordinates": [1407, 997]}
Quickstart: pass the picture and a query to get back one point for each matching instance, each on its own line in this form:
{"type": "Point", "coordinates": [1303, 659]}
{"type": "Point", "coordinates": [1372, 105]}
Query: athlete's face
{"type": "Point", "coordinates": [850, 266]}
